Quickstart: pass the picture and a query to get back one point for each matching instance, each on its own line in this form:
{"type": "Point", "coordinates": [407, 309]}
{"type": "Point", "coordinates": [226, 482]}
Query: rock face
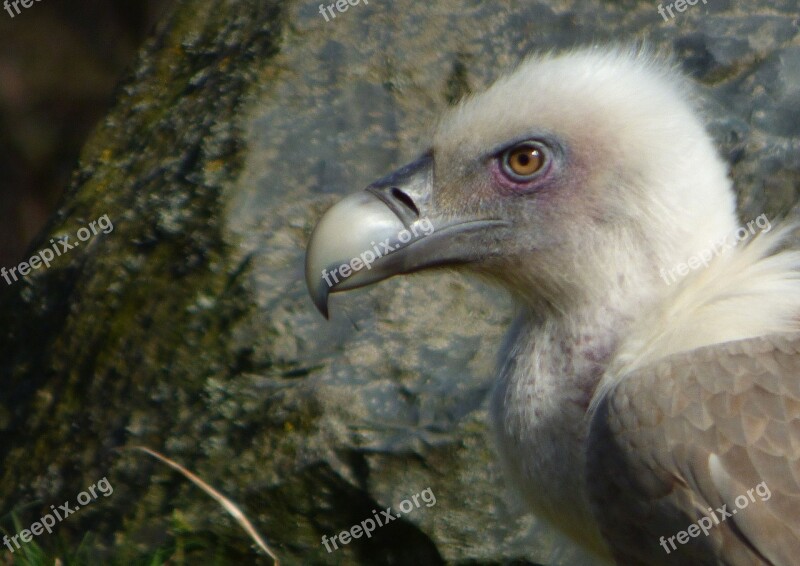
{"type": "Point", "coordinates": [187, 328]}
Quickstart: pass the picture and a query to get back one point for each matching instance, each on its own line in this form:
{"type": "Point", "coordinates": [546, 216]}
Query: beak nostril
{"type": "Point", "coordinates": [405, 199]}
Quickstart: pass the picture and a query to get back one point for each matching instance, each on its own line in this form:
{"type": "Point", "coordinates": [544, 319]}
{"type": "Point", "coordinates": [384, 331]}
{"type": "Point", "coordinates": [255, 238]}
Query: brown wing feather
{"type": "Point", "coordinates": [696, 431]}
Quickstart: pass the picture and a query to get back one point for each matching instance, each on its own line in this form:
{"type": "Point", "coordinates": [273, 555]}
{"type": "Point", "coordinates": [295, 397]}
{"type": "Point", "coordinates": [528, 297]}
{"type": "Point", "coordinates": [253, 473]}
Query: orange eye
{"type": "Point", "coordinates": [523, 161]}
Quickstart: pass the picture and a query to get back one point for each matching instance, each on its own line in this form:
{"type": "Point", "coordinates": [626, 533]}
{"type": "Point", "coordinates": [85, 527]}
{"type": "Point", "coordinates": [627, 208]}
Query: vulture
{"type": "Point", "coordinates": [647, 395]}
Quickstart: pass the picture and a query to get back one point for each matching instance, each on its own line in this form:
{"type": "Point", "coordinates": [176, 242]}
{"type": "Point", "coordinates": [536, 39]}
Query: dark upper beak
{"type": "Point", "coordinates": [388, 229]}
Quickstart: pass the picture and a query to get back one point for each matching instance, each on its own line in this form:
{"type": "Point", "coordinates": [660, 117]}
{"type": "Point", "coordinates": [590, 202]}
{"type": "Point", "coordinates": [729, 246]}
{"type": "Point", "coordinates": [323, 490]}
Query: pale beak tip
{"type": "Point", "coordinates": [319, 293]}
{"type": "Point", "coordinates": [322, 306]}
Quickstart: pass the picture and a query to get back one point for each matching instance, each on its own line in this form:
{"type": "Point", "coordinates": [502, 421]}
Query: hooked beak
{"type": "Point", "coordinates": [388, 229]}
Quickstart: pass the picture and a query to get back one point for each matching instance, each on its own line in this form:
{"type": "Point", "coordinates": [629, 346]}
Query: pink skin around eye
{"type": "Point", "coordinates": [507, 185]}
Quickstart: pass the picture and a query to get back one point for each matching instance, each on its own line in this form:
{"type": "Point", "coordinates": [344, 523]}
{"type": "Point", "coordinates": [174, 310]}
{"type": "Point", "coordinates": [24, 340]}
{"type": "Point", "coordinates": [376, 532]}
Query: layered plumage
{"type": "Point", "coordinates": [627, 404]}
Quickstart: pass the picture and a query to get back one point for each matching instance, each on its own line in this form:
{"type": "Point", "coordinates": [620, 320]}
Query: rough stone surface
{"type": "Point", "coordinates": [188, 328]}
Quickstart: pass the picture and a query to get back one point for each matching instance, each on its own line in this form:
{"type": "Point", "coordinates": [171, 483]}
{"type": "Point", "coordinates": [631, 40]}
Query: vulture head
{"type": "Point", "coordinates": [577, 182]}
{"type": "Point", "coordinates": [549, 182]}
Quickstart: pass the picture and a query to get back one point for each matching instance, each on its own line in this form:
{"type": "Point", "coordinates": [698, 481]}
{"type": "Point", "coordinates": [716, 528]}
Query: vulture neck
{"type": "Point", "coordinates": [552, 362]}
{"type": "Point", "coordinates": [551, 368]}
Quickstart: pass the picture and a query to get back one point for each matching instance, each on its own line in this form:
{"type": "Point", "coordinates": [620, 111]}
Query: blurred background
{"type": "Point", "coordinates": [59, 65]}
